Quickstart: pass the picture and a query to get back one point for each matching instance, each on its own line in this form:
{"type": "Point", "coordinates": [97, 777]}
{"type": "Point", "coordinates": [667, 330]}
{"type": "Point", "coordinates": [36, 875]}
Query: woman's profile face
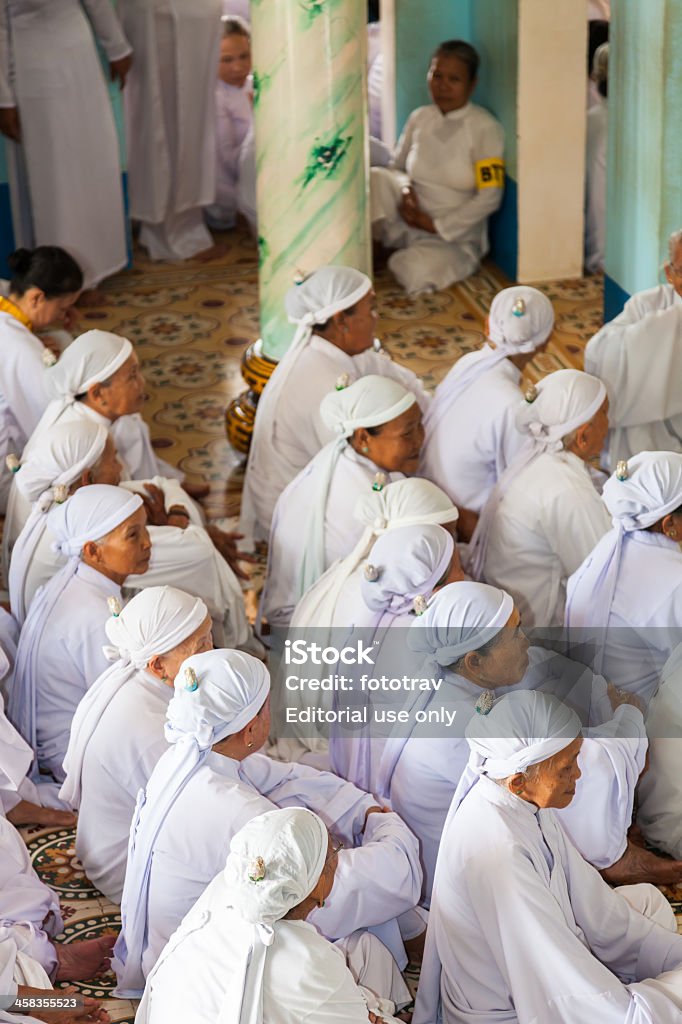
{"type": "Point", "coordinates": [449, 83]}
{"type": "Point", "coordinates": [397, 445]}
{"type": "Point", "coordinates": [507, 661]}
{"type": "Point", "coordinates": [554, 783]}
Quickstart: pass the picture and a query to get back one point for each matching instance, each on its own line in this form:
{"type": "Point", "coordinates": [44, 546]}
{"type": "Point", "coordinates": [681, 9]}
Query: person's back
{"type": "Point", "coordinates": [547, 522]}
{"type": "Point", "coordinates": [475, 440]}
{"type": "Point", "coordinates": [123, 750]}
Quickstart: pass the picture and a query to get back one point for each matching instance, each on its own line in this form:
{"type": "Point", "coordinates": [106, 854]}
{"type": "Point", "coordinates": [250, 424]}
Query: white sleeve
{"type": "Point", "coordinates": [404, 143]}
{"type": "Point", "coordinates": [107, 28]}
{"type": "Point", "coordinates": [452, 226]}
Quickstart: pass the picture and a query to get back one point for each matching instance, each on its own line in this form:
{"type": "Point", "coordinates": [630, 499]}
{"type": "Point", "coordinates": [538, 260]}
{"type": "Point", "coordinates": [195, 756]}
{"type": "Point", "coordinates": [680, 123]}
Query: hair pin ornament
{"type": "Point", "coordinates": [299, 277]}
{"type": "Point", "coordinates": [12, 463]}
{"type": "Point", "coordinates": [371, 573]}
{"type": "Point", "coordinates": [484, 704]}
{"type": "Point", "coordinates": [519, 308]}
{"type": "Point", "coordinates": [114, 605]}
{"type": "Point", "coordinates": [531, 394]}
{"type": "Point", "coordinates": [419, 604]}
{"type": "Point", "coordinates": [60, 492]}
{"type": "Point", "coordinates": [342, 382]}
{"type": "Point", "coordinates": [191, 681]}
{"type": "Point", "coordinates": [379, 482]}
{"type": "Point", "coordinates": [49, 358]}
{"type": "Point", "coordinates": [622, 473]}
{"type": "Point", "coordinates": [257, 870]}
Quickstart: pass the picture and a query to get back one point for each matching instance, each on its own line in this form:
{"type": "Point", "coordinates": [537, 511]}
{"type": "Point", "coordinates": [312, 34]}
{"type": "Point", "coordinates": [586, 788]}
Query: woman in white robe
{"type": "Point", "coordinates": [544, 515]}
{"type": "Point", "coordinates": [638, 355]}
{"type": "Point", "coordinates": [44, 284]}
{"type": "Point", "coordinates": [471, 434]}
{"type": "Point", "coordinates": [595, 165]}
{"type": "Point", "coordinates": [521, 928]}
{"type": "Point", "coordinates": [329, 606]}
{"type": "Point", "coordinates": [65, 157]}
{"type": "Point", "coordinates": [102, 531]}
{"type": "Point", "coordinates": [378, 429]}
{"type": "Point", "coordinates": [403, 569]}
{"type": "Point", "coordinates": [335, 316]}
{"type": "Point", "coordinates": [170, 121]}
{"type": "Point", "coordinates": [626, 597]}
{"type": "Point", "coordinates": [210, 783]}
{"type": "Point", "coordinates": [82, 453]}
{"type": "Point", "coordinates": [660, 791]}
{"type": "Point", "coordinates": [446, 179]}
{"type": "Point", "coordinates": [290, 973]}
{"type": "Point", "coordinates": [117, 732]}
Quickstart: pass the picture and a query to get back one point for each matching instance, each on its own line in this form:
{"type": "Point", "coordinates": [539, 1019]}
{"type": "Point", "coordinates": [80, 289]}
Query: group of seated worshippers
{"type": "Point", "coordinates": [274, 872]}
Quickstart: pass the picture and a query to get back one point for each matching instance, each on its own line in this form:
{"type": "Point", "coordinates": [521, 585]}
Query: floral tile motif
{"type": "Point", "coordinates": [53, 855]}
{"type": "Point", "coordinates": [394, 304]}
{"type": "Point", "coordinates": [168, 330]}
{"type": "Point", "coordinates": [148, 298]}
{"type": "Point", "coordinates": [206, 411]}
{"type": "Point", "coordinates": [189, 369]}
{"type": "Point", "coordinates": [432, 341]}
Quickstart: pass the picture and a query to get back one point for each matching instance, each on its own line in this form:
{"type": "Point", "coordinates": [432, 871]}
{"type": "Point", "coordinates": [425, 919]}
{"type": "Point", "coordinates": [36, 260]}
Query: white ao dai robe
{"type": "Point", "coordinates": [67, 166]}
{"type": "Point", "coordinates": [299, 432]}
{"type": "Point", "coordinates": [470, 442]}
{"type": "Point", "coordinates": [353, 476]}
{"type": "Point", "coordinates": [595, 186]}
{"type": "Point", "coordinates": [525, 930]}
{"type": "Point", "coordinates": [375, 882]}
{"type": "Point", "coordinates": [547, 522]}
{"type": "Point", "coordinates": [234, 123]}
{"type": "Point", "coordinates": [638, 356]}
{"type": "Point", "coordinates": [119, 758]}
{"type": "Point", "coordinates": [438, 153]}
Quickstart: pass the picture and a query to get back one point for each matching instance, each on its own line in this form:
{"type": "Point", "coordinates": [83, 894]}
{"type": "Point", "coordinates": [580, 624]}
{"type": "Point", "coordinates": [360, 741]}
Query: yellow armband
{"type": "Point", "coordinates": [489, 173]}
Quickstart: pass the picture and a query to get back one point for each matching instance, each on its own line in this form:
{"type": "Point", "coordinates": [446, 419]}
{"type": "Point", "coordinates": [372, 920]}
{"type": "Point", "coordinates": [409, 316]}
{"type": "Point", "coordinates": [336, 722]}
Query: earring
{"type": "Point", "coordinates": [320, 903]}
{"type": "Point", "coordinates": [249, 745]}
{"type": "Point", "coordinates": [673, 533]}
{"type": "Point", "coordinates": [365, 449]}
{"type": "Point", "coordinates": [165, 679]}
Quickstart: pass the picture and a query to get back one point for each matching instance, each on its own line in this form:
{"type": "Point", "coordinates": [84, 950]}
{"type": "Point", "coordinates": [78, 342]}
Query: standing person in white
{"type": "Point", "coordinates": [627, 594]}
{"type": "Point", "coordinates": [280, 867]}
{"type": "Point", "coordinates": [471, 433]}
{"type": "Point", "coordinates": [117, 733]}
{"type": "Point", "coordinates": [639, 357]}
{"type": "Point", "coordinates": [45, 283]}
{"type": "Point", "coordinates": [446, 178]}
{"type": "Point", "coordinates": [521, 928]}
{"type": "Point", "coordinates": [335, 314]}
{"type": "Point", "coordinates": [55, 107]}
{"type": "Point", "coordinates": [544, 515]}
{"type": "Point", "coordinates": [595, 165]}
{"type": "Point", "coordinates": [211, 782]}
{"type": "Point", "coordinates": [170, 115]}
{"type": "Point", "coordinates": [102, 531]}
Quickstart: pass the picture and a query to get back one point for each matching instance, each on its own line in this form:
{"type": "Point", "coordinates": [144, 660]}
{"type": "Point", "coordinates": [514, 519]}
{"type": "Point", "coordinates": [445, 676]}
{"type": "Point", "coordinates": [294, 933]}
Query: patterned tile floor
{"type": "Point", "coordinates": [191, 325]}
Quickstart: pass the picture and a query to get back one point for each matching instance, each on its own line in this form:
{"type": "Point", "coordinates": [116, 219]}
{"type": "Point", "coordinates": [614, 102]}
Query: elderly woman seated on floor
{"type": "Point", "coordinates": [245, 952]}
{"type": "Point", "coordinates": [521, 927]}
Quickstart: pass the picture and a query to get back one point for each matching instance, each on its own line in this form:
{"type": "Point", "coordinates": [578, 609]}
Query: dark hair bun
{"type": "Point", "coordinates": [19, 262]}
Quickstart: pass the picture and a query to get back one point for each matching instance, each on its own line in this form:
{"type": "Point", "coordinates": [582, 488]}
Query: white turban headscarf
{"type": "Point", "coordinates": [217, 694]}
{"type": "Point", "coordinates": [563, 401]}
{"type": "Point", "coordinates": [651, 490]}
{"type": "Point", "coordinates": [90, 359]}
{"type": "Point", "coordinates": [521, 319]}
{"type": "Point", "coordinates": [371, 401]}
{"type": "Point", "coordinates": [409, 502]}
{"type": "Point", "coordinates": [324, 293]}
{"type": "Point", "coordinates": [275, 862]}
{"type": "Point", "coordinates": [88, 515]}
{"type": "Point", "coordinates": [522, 729]}
{"type": "Point", "coordinates": [460, 618]}
{"type": "Point", "coordinates": [57, 462]}
{"type": "Point", "coordinates": [154, 622]}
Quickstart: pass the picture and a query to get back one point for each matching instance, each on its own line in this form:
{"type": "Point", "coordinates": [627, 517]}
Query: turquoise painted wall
{"type": "Point", "coordinates": [645, 143]}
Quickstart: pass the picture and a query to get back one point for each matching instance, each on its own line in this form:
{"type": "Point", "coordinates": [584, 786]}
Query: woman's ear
{"type": "Point", "coordinates": [669, 528]}
{"type": "Point", "coordinates": [517, 783]}
{"type": "Point", "coordinates": [92, 551]}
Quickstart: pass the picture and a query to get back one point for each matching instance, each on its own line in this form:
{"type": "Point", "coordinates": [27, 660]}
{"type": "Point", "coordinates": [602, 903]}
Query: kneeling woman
{"type": "Point", "coordinates": [378, 424]}
{"type": "Point", "coordinates": [253, 956]}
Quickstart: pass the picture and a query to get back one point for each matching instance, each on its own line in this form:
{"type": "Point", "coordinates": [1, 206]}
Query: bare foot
{"type": "Point", "coordinates": [415, 948]}
{"type": "Point", "coordinates": [25, 813]}
{"type": "Point", "coordinates": [80, 961]}
{"type": "Point", "coordinates": [639, 865]}
{"type": "Point", "coordinates": [92, 297]}
{"type": "Point", "coordinates": [214, 252]}
{"type": "Point", "coordinates": [89, 1009]}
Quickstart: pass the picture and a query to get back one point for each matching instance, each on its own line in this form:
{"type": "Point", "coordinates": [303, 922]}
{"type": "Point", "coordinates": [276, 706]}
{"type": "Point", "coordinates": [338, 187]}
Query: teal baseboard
{"type": "Point", "coordinates": [615, 298]}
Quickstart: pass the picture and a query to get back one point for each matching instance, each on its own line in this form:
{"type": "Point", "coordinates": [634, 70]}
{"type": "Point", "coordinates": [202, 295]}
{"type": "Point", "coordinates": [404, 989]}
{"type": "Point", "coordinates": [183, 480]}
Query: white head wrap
{"type": "Point", "coordinates": [409, 502]}
{"type": "Point", "coordinates": [564, 401]}
{"type": "Point", "coordinates": [651, 490]}
{"type": "Point", "coordinates": [88, 515]}
{"type": "Point", "coordinates": [461, 617]}
{"type": "Point", "coordinates": [60, 458]}
{"type": "Point", "coordinates": [522, 729]}
{"type": "Point", "coordinates": [371, 401]}
{"type": "Point", "coordinates": [155, 621]}
{"type": "Point", "coordinates": [217, 694]}
{"type": "Point", "coordinates": [324, 293]}
{"type": "Point", "coordinates": [521, 319]}
{"type": "Point", "coordinates": [92, 358]}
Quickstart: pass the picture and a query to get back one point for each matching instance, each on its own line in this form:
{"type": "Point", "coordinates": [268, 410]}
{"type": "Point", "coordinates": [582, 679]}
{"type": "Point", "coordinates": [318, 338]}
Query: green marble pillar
{"type": "Point", "coordinates": [311, 147]}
